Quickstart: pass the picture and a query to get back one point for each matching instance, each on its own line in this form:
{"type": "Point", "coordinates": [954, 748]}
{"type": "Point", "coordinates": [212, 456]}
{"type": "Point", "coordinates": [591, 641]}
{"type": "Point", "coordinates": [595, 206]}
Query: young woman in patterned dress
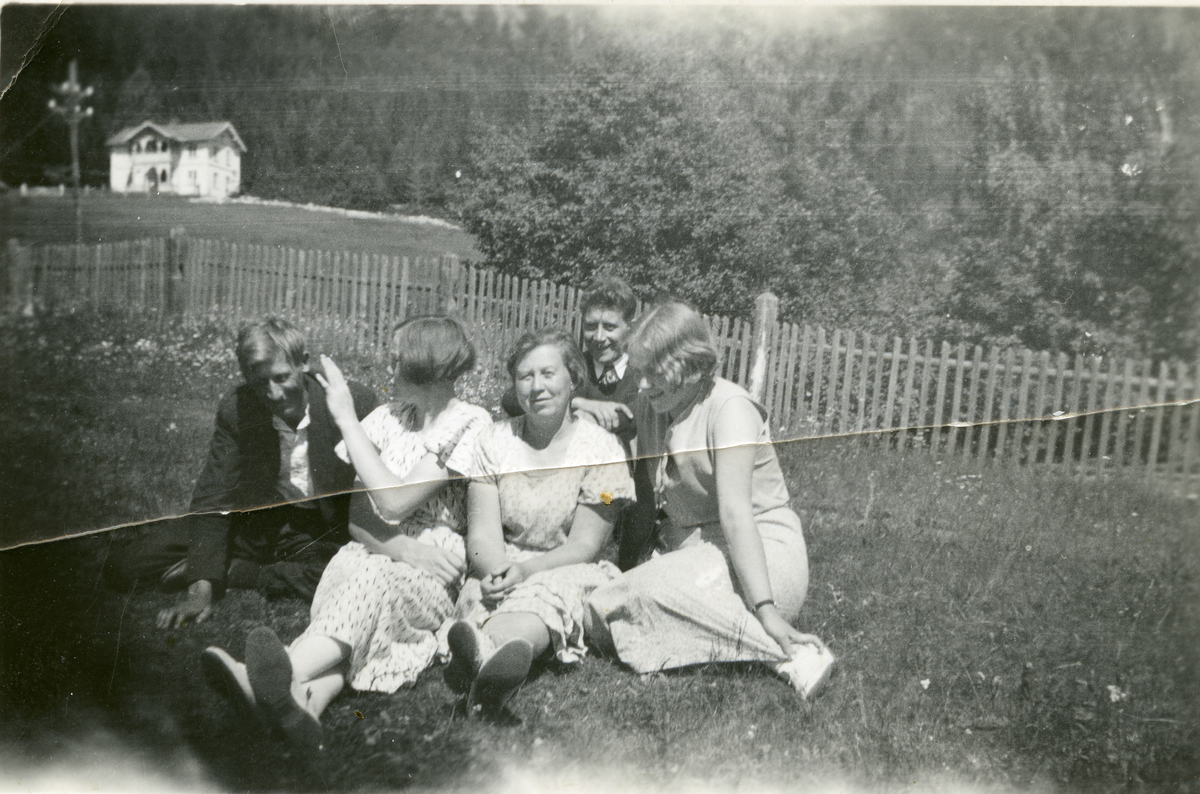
{"type": "Point", "coordinates": [544, 494]}
{"type": "Point", "coordinates": [384, 595]}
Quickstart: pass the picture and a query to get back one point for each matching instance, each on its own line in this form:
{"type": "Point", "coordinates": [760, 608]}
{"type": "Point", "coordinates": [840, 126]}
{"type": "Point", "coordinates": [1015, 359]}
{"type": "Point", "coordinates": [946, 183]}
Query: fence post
{"type": "Point", "coordinates": [176, 253]}
{"type": "Point", "coordinates": [766, 309]}
{"type": "Point", "coordinates": [20, 277]}
{"type": "Point", "coordinates": [447, 284]}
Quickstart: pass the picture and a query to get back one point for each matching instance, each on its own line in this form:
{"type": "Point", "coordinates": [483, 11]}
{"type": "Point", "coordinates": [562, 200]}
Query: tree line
{"type": "Point", "coordinates": [1005, 176]}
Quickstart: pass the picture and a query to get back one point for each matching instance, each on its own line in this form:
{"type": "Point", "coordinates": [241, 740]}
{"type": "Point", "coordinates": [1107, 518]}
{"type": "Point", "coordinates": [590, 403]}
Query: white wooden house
{"type": "Point", "coordinates": [183, 159]}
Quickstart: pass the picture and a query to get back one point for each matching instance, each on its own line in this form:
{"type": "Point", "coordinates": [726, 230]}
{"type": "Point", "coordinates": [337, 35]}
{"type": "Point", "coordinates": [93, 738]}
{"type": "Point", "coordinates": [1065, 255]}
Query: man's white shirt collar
{"type": "Point", "coordinates": [284, 427]}
{"type": "Point", "coordinates": [618, 366]}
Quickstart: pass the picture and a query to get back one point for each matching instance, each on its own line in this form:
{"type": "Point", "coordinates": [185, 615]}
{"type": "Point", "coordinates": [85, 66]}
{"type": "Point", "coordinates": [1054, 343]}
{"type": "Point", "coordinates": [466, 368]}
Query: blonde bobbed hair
{"type": "Point", "coordinates": [673, 340]}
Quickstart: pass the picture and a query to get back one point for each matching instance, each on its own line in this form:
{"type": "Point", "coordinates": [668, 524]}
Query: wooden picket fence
{"type": "Point", "coordinates": [1090, 414]}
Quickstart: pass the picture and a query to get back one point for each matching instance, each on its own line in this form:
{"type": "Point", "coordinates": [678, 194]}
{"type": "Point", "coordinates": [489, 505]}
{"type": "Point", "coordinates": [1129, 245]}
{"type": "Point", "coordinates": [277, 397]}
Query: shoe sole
{"type": "Point", "coordinates": [819, 684]}
{"type": "Point", "coordinates": [270, 671]}
{"type": "Point", "coordinates": [268, 667]}
{"type": "Point", "coordinates": [464, 658]}
{"type": "Point", "coordinates": [501, 676]}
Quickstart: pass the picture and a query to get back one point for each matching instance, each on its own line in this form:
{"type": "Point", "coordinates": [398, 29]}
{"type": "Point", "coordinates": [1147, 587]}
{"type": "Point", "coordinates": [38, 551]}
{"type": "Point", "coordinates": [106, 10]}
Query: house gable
{"type": "Point", "coordinates": [202, 133]}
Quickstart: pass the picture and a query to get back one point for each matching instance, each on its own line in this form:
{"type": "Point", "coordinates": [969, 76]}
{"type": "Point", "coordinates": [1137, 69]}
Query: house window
{"type": "Point", "coordinates": [214, 182]}
{"type": "Point", "coordinates": [165, 146]}
{"type": "Point", "coordinates": [137, 148]}
{"type": "Point", "coordinates": [192, 178]}
{"type": "Point", "coordinates": [163, 176]}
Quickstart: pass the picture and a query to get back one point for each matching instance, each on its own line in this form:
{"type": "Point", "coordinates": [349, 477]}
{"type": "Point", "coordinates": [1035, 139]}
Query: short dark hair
{"type": "Point", "coordinates": [610, 292]}
{"type": "Point", "coordinates": [557, 338]}
{"type": "Point", "coordinates": [264, 339]}
{"type": "Point", "coordinates": [431, 349]}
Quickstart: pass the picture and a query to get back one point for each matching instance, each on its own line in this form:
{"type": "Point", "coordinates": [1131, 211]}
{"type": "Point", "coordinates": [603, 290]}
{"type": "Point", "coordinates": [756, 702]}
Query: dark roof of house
{"type": "Point", "coordinates": [183, 133]}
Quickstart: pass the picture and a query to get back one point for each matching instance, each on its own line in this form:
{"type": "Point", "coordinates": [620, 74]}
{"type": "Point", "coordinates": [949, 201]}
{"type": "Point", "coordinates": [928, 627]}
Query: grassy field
{"type": "Point", "coordinates": [108, 217]}
{"type": "Point", "coordinates": [998, 628]}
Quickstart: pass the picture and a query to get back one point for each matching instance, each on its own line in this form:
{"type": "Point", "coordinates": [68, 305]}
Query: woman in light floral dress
{"type": "Point", "coordinates": [384, 595]}
{"type": "Point", "coordinates": [545, 491]}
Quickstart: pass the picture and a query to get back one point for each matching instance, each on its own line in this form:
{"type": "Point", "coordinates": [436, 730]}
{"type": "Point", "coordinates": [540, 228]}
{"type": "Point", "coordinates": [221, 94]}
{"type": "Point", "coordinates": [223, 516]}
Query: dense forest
{"type": "Point", "coordinates": [1006, 175]}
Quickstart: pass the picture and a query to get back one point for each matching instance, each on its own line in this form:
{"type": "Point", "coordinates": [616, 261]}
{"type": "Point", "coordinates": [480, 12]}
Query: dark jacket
{"type": "Point", "coordinates": [242, 472]}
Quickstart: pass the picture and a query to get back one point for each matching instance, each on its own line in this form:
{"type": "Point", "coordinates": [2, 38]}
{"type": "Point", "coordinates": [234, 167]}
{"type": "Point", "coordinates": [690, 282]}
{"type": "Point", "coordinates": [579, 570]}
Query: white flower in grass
{"type": "Point", "coordinates": [1115, 694]}
{"type": "Point", "coordinates": [925, 683]}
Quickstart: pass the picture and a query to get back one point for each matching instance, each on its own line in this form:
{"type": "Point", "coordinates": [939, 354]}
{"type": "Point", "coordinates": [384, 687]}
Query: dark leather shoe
{"type": "Point", "coordinates": [175, 577]}
{"type": "Point", "coordinates": [465, 653]}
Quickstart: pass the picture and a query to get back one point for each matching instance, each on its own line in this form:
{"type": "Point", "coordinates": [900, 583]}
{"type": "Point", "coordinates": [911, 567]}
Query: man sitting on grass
{"type": "Point", "coordinates": [270, 508]}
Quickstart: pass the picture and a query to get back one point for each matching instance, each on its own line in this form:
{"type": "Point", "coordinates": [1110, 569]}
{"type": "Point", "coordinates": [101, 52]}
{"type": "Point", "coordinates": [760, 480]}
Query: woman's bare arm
{"type": "Point", "coordinates": [485, 530]}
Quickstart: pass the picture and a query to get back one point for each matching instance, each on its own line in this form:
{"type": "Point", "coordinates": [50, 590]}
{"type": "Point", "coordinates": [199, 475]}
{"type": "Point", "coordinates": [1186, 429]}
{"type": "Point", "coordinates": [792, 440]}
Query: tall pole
{"type": "Point", "coordinates": [69, 105]}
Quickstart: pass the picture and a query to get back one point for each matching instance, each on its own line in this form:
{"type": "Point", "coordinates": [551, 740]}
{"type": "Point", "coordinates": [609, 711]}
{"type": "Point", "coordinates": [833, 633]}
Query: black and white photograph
{"type": "Point", "coordinates": [602, 398]}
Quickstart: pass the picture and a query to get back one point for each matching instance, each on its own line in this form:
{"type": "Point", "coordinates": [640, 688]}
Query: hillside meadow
{"type": "Point", "coordinates": [108, 217]}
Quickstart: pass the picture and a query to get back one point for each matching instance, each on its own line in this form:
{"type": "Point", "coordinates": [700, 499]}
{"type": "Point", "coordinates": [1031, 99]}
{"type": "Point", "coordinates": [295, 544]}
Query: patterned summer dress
{"type": "Point", "coordinates": [388, 611]}
{"type": "Point", "coordinates": [537, 508]}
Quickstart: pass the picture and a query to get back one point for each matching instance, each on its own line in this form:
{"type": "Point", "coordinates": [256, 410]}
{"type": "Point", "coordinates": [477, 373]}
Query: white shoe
{"type": "Point", "coordinates": [229, 677]}
{"type": "Point", "coordinates": [808, 669]}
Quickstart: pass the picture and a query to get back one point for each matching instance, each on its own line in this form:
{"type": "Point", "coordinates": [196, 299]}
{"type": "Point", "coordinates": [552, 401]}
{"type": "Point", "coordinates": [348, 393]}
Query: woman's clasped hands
{"type": "Point", "coordinates": [500, 582]}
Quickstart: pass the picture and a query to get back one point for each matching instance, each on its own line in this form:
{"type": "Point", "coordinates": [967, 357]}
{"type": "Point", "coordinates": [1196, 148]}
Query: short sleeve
{"type": "Point", "coordinates": [485, 464]}
{"type": "Point", "coordinates": [606, 478]}
{"type": "Point", "coordinates": [461, 459]}
{"type": "Point", "coordinates": [375, 428]}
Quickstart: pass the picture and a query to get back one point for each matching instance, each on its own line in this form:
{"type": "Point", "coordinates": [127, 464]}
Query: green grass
{"type": "Point", "coordinates": [108, 217]}
{"type": "Point", "coordinates": [981, 615]}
